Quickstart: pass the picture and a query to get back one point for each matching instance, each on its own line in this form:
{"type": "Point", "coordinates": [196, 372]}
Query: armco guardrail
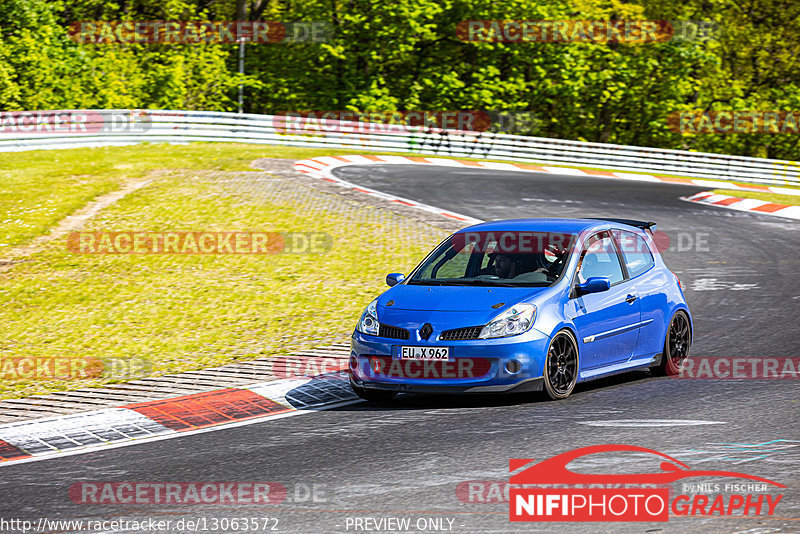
{"type": "Point", "coordinates": [86, 128]}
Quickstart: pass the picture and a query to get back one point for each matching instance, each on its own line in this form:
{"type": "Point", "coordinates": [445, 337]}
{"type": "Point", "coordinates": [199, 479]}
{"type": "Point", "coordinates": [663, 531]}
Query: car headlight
{"type": "Point", "coordinates": [515, 320]}
{"type": "Point", "coordinates": [368, 324]}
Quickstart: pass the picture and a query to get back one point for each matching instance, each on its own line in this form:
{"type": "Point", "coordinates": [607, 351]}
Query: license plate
{"type": "Point", "coordinates": [425, 353]}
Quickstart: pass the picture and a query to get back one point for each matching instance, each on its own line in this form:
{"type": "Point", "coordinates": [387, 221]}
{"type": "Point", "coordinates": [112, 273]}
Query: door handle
{"type": "Point", "coordinates": [630, 298]}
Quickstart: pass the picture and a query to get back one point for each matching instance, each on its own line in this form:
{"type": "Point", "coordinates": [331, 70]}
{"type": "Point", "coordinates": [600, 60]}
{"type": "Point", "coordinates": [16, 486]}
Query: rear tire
{"type": "Point", "coordinates": [374, 395]}
{"type": "Point", "coordinates": [676, 346]}
{"type": "Point", "coordinates": [561, 366]}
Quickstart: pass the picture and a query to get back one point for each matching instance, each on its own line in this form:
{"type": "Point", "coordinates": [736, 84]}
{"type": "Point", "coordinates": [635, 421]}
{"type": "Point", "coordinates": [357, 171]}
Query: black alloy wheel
{"type": "Point", "coordinates": [561, 366]}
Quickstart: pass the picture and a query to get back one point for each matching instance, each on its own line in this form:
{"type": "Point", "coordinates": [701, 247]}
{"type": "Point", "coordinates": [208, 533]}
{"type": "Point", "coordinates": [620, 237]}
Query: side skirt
{"type": "Point", "coordinates": [624, 367]}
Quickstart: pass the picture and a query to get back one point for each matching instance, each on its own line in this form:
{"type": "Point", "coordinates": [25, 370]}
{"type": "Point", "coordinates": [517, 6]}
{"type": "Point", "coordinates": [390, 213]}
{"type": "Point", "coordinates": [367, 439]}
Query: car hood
{"type": "Point", "coordinates": [459, 305]}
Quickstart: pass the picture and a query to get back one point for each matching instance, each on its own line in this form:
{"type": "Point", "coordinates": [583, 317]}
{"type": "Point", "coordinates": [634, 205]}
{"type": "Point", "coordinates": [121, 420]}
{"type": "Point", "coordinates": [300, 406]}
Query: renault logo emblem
{"type": "Point", "coordinates": [426, 331]}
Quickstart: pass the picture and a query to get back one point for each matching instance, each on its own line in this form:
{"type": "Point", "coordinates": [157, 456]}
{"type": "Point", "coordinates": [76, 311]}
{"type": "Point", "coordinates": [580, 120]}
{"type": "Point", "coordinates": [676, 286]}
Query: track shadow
{"type": "Point", "coordinates": [419, 401]}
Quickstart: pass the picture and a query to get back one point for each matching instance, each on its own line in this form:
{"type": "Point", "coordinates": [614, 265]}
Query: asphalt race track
{"type": "Point", "coordinates": [406, 459]}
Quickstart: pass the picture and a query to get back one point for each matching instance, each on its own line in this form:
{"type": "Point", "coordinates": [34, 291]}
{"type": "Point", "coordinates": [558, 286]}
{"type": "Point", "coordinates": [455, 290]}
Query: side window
{"type": "Point", "coordinates": [636, 252]}
{"type": "Point", "coordinates": [600, 259]}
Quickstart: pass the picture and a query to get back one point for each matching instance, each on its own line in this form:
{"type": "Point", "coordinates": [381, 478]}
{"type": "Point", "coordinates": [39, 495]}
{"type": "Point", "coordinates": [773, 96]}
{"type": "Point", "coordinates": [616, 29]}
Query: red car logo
{"type": "Point", "coordinates": [554, 470]}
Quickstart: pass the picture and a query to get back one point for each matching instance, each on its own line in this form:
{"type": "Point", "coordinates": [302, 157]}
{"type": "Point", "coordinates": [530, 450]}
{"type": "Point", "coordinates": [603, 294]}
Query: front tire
{"type": "Point", "coordinates": [676, 346]}
{"type": "Point", "coordinates": [373, 395]}
{"type": "Point", "coordinates": [561, 366]}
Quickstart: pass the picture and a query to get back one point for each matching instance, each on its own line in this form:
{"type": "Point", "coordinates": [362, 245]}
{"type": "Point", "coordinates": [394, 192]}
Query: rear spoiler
{"type": "Point", "coordinates": [649, 226]}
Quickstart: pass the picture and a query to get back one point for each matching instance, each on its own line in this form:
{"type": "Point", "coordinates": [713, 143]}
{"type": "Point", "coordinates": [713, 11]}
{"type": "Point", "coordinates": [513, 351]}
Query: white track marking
{"type": "Point", "coordinates": [639, 423]}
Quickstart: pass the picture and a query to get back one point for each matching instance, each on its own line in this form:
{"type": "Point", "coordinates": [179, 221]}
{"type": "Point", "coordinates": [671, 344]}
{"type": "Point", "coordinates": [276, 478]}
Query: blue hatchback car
{"type": "Point", "coordinates": [524, 305]}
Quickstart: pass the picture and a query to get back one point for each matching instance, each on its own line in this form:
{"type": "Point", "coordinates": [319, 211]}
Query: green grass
{"type": "Point", "coordinates": [39, 188]}
{"type": "Point", "coordinates": [178, 312]}
{"type": "Point", "coordinates": [776, 198]}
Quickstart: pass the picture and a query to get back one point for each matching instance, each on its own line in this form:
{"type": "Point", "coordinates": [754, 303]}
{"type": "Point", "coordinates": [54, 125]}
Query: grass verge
{"type": "Point", "coordinates": [41, 187]}
{"type": "Point", "coordinates": [171, 313]}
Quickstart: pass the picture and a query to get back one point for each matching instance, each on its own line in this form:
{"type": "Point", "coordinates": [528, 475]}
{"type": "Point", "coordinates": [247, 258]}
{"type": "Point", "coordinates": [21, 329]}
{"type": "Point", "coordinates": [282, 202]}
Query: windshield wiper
{"type": "Point", "coordinates": [482, 282]}
{"type": "Point", "coordinates": [425, 283]}
{"type": "Point", "coordinates": [496, 283]}
{"type": "Point", "coordinates": [473, 282]}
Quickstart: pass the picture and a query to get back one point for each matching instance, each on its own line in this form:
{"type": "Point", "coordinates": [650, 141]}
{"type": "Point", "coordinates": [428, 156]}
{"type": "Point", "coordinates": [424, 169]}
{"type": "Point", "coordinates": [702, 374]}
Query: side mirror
{"type": "Point", "coordinates": [595, 284]}
{"type": "Point", "coordinates": [393, 279]}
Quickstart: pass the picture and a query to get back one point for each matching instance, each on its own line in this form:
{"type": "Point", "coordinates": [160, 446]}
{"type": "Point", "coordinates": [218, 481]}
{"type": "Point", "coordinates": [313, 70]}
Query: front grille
{"type": "Point", "coordinates": [469, 332]}
{"type": "Point", "coordinates": [393, 332]}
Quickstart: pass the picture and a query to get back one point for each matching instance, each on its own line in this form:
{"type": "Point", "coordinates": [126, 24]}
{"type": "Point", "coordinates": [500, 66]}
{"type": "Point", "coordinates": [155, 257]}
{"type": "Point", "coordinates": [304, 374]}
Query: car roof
{"type": "Point", "coordinates": [575, 226]}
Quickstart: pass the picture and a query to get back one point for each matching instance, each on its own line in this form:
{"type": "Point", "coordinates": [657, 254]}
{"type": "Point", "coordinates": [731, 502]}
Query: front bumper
{"type": "Point", "coordinates": [492, 374]}
{"type": "Point", "coordinates": [531, 384]}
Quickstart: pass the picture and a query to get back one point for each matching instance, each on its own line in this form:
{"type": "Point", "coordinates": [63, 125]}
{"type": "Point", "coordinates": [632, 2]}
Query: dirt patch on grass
{"type": "Point", "coordinates": [74, 221]}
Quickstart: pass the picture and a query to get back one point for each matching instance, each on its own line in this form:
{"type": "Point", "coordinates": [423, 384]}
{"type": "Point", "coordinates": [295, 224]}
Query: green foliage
{"type": "Point", "coordinates": [41, 67]}
{"type": "Point", "coordinates": [405, 55]}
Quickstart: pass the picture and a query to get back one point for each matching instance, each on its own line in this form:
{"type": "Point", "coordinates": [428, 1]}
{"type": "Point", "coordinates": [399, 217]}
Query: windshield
{"type": "Point", "coordinates": [524, 259]}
